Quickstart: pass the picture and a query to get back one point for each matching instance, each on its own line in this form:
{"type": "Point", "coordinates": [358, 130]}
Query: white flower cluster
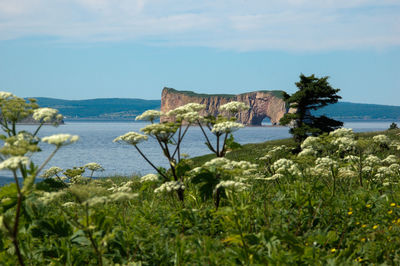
{"type": "Point", "coordinates": [149, 178]}
{"type": "Point", "coordinates": [381, 140]}
{"type": "Point", "coordinates": [226, 127]}
{"type": "Point", "coordinates": [61, 139]}
{"type": "Point", "coordinates": [6, 95]}
{"type": "Point", "coordinates": [280, 151]}
{"type": "Point", "coordinates": [234, 107]}
{"type": "Point", "coordinates": [122, 196]}
{"type": "Point", "coordinates": [225, 164]}
{"type": "Point", "coordinates": [163, 131]}
{"type": "Point", "coordinates": [52, 171]}
{"type": "Point", "coordinates": [187, 108]}
{"type": "Point", "coordinates": [14, 162]}
{"type": "Point", "coordinates": [150, 115]}
{"type": "Point", "coordinates": [78, 179]}
{"type": "Point", "coordinates": [346, 173]}
{"type": "Point", "coordinates": [307, 152]}
{"type": "Point", "coordinates": [344, 143]}
{"type": "Point", "coordinates": [123, 187]}
{"type": "Point", "coordinates": [326, 163]}
{"type": "Point", "coordinates": [391, 159]}
{"type": "Point", "coordinates": [47, 115]}
{"type": "Point", "coordinates": [132, 138]}
{"type": "Point", "coordinates": [189, 117]}
{"type": "Point", "coordinates": [170, 186]}
{"type": "Point", "coordinates": [93, 167]}
{"type": "Point", "coordinates": [372, 160]}
{"type": "Point", "coordinates": [342, 132]}
{"type": "Point", "coordinates": [286, 166]}
{"type": "Point", "coordinates": [395, 144]}
{"type": "Point", "coordinates": [312, 145]}
{"type": "Point", "coordinates": [233, 185]}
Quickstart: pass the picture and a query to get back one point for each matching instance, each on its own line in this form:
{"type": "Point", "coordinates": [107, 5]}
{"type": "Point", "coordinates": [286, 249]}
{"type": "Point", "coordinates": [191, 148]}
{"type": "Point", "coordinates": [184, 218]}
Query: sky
{"type": "Point", "coordinates": [83, 49]}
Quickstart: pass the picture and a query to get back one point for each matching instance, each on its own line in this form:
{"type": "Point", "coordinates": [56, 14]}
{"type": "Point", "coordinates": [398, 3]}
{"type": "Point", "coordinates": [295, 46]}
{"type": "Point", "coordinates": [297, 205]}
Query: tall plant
{"type": "Point", "coordinates": [18, 146]}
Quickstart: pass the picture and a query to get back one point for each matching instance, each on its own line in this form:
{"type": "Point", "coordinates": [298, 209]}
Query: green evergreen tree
{"type": "Point", "coordinates": [313, 93]}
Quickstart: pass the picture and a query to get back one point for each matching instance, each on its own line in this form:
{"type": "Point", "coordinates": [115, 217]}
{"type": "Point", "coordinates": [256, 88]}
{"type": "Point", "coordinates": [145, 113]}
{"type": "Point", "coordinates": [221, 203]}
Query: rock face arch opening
{"type": "Point", "coordinates": [266, 121]}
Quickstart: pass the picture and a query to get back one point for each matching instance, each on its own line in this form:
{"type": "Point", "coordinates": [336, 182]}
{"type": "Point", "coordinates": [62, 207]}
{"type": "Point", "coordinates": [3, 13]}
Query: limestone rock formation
{"type": "Point", "coordinates": [262, 104]}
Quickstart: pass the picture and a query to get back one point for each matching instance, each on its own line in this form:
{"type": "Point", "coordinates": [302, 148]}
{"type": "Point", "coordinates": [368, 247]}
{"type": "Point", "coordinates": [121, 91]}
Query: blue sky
{"type": "Point", "coordinates": [80, 49]}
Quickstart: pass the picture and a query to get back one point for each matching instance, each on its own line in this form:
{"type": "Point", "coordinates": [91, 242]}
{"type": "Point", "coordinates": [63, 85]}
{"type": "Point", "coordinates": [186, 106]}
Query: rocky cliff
{"type": "Point", "coordinates": [262, 104]}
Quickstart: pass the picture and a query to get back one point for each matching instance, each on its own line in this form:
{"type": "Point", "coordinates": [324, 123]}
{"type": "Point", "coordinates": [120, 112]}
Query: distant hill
{"type": "Point", "coordinates": [100, 109]}
{"type": "Point", "coordinates": [128, 109]}
{"type": "Point", "coordinates": [358, 111]}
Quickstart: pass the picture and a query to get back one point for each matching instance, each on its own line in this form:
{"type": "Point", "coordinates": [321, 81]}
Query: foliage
{"type": "Point", "coordinates": [313, 93]}
{"type": "Point", "coordinates": [393, 126]}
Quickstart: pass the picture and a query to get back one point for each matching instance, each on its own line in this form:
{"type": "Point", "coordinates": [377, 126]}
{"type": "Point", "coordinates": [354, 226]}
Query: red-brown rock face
{"type": "Point", "coordinates": [262, 104]}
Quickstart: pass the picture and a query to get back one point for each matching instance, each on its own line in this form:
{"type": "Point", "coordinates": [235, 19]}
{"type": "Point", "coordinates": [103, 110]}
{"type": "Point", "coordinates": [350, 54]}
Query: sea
{"type": "Point", "coordinates": [96, 145]}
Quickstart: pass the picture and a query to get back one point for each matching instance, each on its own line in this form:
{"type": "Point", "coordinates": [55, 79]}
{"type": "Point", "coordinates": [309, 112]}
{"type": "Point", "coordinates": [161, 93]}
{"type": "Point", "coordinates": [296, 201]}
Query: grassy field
{"type": "Point", "coordinates": [290, 210]}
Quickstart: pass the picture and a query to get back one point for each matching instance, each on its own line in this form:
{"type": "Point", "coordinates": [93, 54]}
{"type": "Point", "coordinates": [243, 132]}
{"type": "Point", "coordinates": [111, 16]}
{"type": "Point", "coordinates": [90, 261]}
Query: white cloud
{"type": "Point", "coordinates": [228, 24]}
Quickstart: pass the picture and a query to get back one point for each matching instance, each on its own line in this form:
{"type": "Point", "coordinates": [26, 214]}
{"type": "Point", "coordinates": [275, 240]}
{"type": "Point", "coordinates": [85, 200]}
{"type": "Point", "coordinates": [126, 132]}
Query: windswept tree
{"type": "Point", "coordinates": [313, 93]}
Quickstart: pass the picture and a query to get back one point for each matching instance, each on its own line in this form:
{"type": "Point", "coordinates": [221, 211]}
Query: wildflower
{"type": "Point", "coordinates": [368, 205]}
{"type": "Point", "coordinates": [364, 225]}
{"type": "Point", "coordinates": [6, 95]}
{"type": "Point", "coordinates": [283, 166]}
{"type": "Point", "coordinates": [122, 196]}
{"type": "Point", "coordinates": [132, 138]}
{"type": "Point", "coordinates": [344, 143]}
{"type": "Point", "coordinates": [391, 159]}
{"type": "Point", "coordinates": [217, 163]}
{"type": "Point", "coordinates": [372, 160]}
{"type": "Point", "coordinates": [52, 171]}
{"type": "Point", "coordinates": [381, 140]}
{"type": "Point", "coordinates": [392, 204]}
{"type": "Point", "coordinates": [307, 152]}
{"type": "Point", "coordinates": [346, 173]}
{"type": "Point", "coordinates": [47, 115]}
{"type": "Point", "coordinates": [234, 107]}
{"type": "Point", "coordinates": [149, 115]}
{"type": "Point", "coordinates": [123, 187]}
{"type": "Point", "coordinates": [390, 212]}
{"type": "Point", "coordinates": [274, 177]}
{"type": "Point", "coordinates": [375, 227]}
{"type": "Point", "coordinates": [187, 108]}
{"type": "Point", "coordinates": [14, 162]}
{"type": "Point", "coordinates": [313, 143]}
{"type": "Point", "coordinates": [342, 132]}
{"type": "Point", "coordinates": [238, 186]}
{"type": "Point", "coordinates": [69, 204]}
{"type": "Point", "coordinates": [189, 117]}
{"type": "Point", "coordinates": [163, 131]}
{"type": "Point", "coordinates": [333, 250]}
{"type": "Point", "coordinates": [226, 127]}
{"type": "Point", "coordinates": [61, 139]}
{"type": "Point", "coordinates": [48, 197]}
{"type": "Point", "coordinates": [149, 178]}
{"type": "Point", "coordinates": [350, 213]}
{"type": "Point", "coordinates": [170, 186]}
{"type": "Point", "coordinates": [363, 239]}
{"type": "Point", "coordinates": [325, 162]}
{"type": "Point", "coordinates": [95, 201]}
{"type": "Point", "coordinates": [93, 167]}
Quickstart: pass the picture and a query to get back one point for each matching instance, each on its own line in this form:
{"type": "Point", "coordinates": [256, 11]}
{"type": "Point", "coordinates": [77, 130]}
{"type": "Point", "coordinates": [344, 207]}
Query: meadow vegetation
{"type": "Point", "coordinates": [337, 201]}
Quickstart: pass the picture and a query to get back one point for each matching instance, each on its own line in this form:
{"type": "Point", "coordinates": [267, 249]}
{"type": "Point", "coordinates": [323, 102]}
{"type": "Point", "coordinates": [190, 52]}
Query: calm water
{"type": "Point", "coordinates": [95, 145]}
